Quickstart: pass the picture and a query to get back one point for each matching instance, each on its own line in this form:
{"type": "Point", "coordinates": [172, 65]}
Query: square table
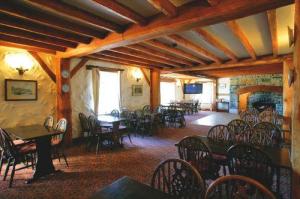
{"type": "Point", "coordinates": [128, 188]}
{"type": "Point", "coordinates": [42, 137]}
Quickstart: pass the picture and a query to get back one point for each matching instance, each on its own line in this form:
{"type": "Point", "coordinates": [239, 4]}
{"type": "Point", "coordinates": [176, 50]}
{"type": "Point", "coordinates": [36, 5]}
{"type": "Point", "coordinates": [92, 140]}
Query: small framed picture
{"type": "Point", "coordinates": [137, 90]}
{"type": "Point", "coordinates": [20, 90]}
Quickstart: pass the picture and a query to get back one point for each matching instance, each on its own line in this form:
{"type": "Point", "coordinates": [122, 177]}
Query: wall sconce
{"type": "Point", "coordinates": [137, 74]}
{"type": "Point", "coordinates": [19, 61]}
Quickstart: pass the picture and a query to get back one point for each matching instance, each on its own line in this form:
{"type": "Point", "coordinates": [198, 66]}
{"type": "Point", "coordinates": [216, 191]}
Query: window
{"type": "Point", "coordinates": [109, 94]}
{"type": "Point", "coordinates": [167, 92]}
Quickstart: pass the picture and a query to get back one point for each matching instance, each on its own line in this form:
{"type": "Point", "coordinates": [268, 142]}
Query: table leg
{"type": "Point", "coordinates": [44, 165]}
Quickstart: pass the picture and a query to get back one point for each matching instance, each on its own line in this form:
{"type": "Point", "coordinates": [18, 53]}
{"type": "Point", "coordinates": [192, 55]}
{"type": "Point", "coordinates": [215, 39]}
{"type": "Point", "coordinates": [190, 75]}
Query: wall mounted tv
{"type": "Point", "coordinates": [195, 88]}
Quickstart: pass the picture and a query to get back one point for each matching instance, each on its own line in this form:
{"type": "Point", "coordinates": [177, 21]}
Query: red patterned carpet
{"type": "Point", "coordinates": [88, 172]}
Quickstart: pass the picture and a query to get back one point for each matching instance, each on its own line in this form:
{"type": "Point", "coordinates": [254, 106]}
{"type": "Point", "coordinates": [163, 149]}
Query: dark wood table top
{"type": "Point", "coordinates": [127, 188]}
{"type": "Point", "coordinates": [280, 156]}
{"type": "Point", "coordinates": [30, 132]}
{"type": "Point", "coordinates": [110, 119]}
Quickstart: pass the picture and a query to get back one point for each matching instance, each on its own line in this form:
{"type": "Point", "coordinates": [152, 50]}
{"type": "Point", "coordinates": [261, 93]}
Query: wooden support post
{"type": "Point", "coordinates": [287, 91]}
{"type": "Point", "coordinates": [296, 106]}
{"type": "Point", "coordinates": [214, 98]}
{"type": "Point", "coordinates": [154, 88]}
{"type": "Point", "coordinates": [64, 109]}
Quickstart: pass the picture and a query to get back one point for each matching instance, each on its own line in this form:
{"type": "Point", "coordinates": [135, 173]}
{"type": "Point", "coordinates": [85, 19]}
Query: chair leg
{"type": "Point", "coordinates": [12, 173]}
{"type": "Point", "coordinates": [129, 138]}
{"type": "Point", "coordinates": [7, 168]}
{"type": "Point", "coordinates": [1, 162]}
{"type": "Point", "coordinates": [65, 158]}
{"type": "Point", "coordinates": [97, 147]}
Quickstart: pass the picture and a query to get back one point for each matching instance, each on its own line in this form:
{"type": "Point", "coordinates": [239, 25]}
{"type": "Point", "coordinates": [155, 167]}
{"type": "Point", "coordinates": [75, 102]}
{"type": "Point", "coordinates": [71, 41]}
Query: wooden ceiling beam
{"type": "Point", "coordinates": [132, 58]}
{"type": "Point", "coordinates": [190, 16]}
{"type": "Point", "coordinates": [165, 6]}
{"type": "Point", "coordinates": [122, 11]}
{"type": "Point", "coordinates": [26, 47]}
{"type": "Point", "coordinates": [36, 37]}
{"type": "Point", "coordinates": [273, 30]}
{"type": "Point", "coordinates": [44, 66]}
{"type": "Point", "coordinates": [242, 63]}
{"type": "Point", "coordinates": [135, 53]}
{"type": "Point", "coordinates": [37, 16]}
{"type": "Point", "coordinates": [121, 61]}
{"type": "Point", "coordinates": [175, 51]}
{"type": "Point", "coordinates": [190, 45]}
{"type": "Point", "coordinates": [80, 64]}
{"type": "Point", "coordinates": [238, 32]}
{"type": "Point", "coordinates": [213, 2]}
{"type": "Point", "coordinates": [216, 43]}
{"type": "Point", "coordinates": [76, 13]}
{"type": "Point", "coordinates": [41, 29]}
{"type": "Point", "coordinates": [159, 54]}
{"type": "Point", "coordinates": [28, 42]}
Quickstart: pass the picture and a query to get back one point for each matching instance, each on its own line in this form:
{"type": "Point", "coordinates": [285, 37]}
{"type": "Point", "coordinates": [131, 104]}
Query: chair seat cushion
{"type": "Point", "coordinates": [27, 148]}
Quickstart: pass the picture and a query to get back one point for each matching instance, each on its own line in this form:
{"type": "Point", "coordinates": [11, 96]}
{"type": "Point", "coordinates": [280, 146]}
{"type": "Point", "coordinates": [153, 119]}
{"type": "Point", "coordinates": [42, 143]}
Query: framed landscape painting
{"type": "Point", "coordinates": [20, 90]}
{"type": "Point", "coordinates": [137, 90]}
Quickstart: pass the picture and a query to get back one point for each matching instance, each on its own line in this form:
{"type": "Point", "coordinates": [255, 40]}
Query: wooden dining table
{"type": "Point", "coordinates": [128, 188]}
{"type": "Point", "coordinates": [110, 119]}
{"type": "Point", "coordinates": [42, 137]}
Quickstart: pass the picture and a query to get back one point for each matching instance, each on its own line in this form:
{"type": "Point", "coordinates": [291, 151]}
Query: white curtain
{"type": "Point", "coordinates": [96, 89]}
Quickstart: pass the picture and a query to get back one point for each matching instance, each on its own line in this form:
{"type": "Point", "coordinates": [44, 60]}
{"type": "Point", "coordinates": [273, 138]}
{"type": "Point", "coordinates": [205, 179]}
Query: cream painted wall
{"type": "Point", "coordinates": [82, 97]}
{"type": "Point", "coordinates": [26, 112]}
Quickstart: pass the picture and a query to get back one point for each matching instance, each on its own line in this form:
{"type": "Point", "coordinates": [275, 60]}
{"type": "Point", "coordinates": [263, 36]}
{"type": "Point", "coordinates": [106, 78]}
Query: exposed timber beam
{"type": "Point", "coordinates": [216, 43]}
{"type": "Point", "coordinates": [50, 20]}
{"type": "Point", "coordinates": [131, 58]}
{"type": "Point", "coordinates": [175, 51]}
{"type": "Point", "coordinates": [122, 11]}
{"type": "Point", "coordinates": [213, 2]}
{"type": "Point", "coordinates": [36, 37]}
{"type": "Point", "coordinates": [190, 16]}
{"type": "Point", "coordinates": [158, 54]}
{"type": "Point", "coordinates": [42, 29]}
{"type": "Point", "coordinates": [273, 30]}
{"type": "Point", "coordinates": [135, 53]}
{"type": "Point", "coordinates": [76, 13]}
{"type": "Point", "coordinates": [242, 63]}
{"type": "Point", "coordinates": [80, 64]}
{"type": "Point", "coordinates": [45, 67]}
{"type": "Point", "coordinates": [27, 47]}
{"type": "Point", "coordinates": [190, 45]}
{"type": "Point", "coordinates": [121, 61]}
{"type": "Point", "coordinates": [29, 42]}
{"type": "Point", "coordinates": [165, 6]}
{"type": "Point", "coordinates": [145, 76]}
{"type": "Point", "coordinates": [236, 29]}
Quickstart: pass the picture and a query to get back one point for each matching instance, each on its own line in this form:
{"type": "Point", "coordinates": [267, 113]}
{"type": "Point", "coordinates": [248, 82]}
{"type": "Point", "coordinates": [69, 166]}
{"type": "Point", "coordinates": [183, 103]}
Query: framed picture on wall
{"type": "Point", "coordinates": [20, 90]}
{"type": "Point", "coordinates": [137, 90]}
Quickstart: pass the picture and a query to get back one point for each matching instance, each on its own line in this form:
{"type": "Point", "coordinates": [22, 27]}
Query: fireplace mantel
{"type": "Point", "coordinates": [244, 93]}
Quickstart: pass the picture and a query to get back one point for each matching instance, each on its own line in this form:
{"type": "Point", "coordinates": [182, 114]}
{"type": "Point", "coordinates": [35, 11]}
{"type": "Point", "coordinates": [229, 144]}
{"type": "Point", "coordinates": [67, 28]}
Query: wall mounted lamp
{"type": "Point", "coordinates": [137, 74]}
{"type": "Point", "coordinates": [19, 61]}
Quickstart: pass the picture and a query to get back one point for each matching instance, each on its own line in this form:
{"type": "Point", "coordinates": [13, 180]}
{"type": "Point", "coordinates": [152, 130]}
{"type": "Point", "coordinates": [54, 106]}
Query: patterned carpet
{"type": "Point", "coordinates": [88, 172]}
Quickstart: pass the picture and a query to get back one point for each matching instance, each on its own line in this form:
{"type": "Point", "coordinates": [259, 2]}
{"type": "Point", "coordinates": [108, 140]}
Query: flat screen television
{"type": "Point", "coordinates": [195, 88]}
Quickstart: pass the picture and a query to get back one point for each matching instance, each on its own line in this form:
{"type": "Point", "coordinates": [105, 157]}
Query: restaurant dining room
{"type": "Point", "coordinates": [150, 99]}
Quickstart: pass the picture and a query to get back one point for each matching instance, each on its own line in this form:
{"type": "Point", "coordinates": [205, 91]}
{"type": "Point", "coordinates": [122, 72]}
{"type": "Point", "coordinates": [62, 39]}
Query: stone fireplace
{"type": "Point", "coordinates": [260, 97]}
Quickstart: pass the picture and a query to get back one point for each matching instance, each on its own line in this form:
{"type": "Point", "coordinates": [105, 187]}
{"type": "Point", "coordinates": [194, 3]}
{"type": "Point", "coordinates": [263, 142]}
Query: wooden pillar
{"type": "Point", "coordinates": [296, 105]}
{"type": "Point", "coordinates": [287, 91]}
{"type": "Point", "coordinates": [64, 109]}
{"type": "Point", "coordinates": [154, 88]}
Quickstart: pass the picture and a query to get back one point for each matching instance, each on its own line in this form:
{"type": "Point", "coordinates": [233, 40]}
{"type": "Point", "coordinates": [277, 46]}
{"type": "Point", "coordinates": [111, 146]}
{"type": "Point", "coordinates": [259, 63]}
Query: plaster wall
{"type": "Point", "coordinates": [15, 113]}
{"type": "Point", "coordinates": [82, 93]}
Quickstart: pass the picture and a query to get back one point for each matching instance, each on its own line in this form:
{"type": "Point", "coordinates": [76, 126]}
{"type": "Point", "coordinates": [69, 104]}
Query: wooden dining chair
{"type": "Point", "coordinates": [220, 133]}
{"type": "Point", "coordinates": [237, 187]}
{"type": "Point", "coordinates": [237, 126]}
{"type": "Point", "coordinates": [15, 155]}
{"type": "Point", "coordinates": [58, 141]}
{"type": "Point", "coordinates": [266, 134]}
{"type": "Point", "coordinates": [49, 122]}
{"type": "Point", "coordinates": [250, 161]}
{"type": "Point", "coordinates": [250, 118]}
{"type": "Point", "coordinates": [115, 113]}
{"type": "Point", "coordinates": [178, 178]}
{"type": "Point", "coordinates": [193, 150]}
{"type": "Point", "coordinates": [84, 123]}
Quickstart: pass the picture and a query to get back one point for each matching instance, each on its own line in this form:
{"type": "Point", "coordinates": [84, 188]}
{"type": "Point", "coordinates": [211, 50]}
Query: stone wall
{"type": "Point", "coordinates": [15, 113]}
{"type": "Point", "coordinates": [252, 80]}
{"type": "Point", "coordinates": [82, 95]}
